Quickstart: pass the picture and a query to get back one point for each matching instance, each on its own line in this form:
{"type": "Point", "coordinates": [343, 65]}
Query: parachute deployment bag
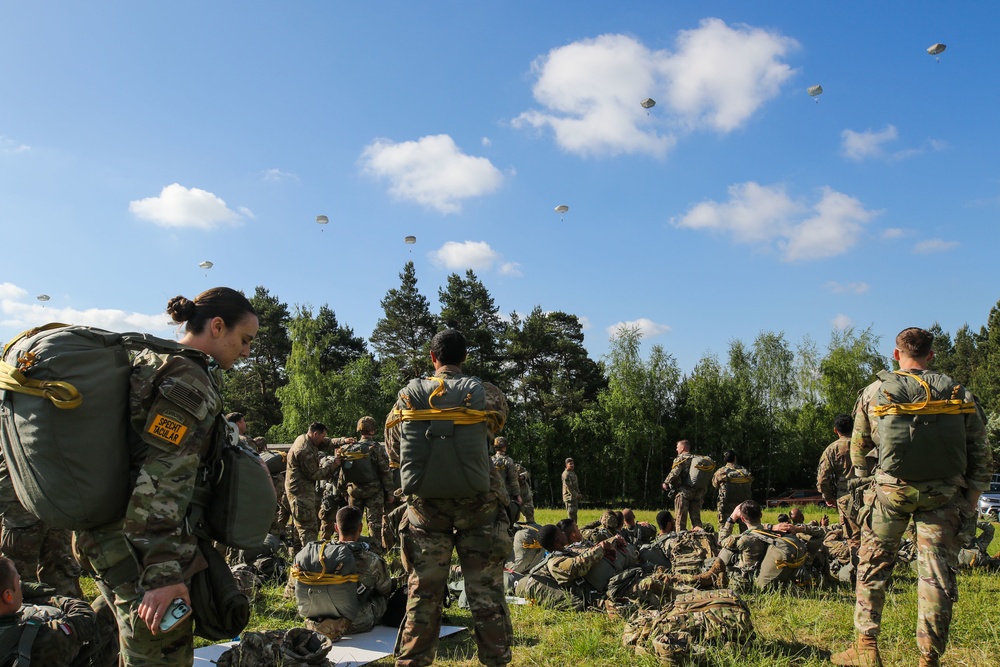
{"type": "Point", "coordinates": [326, 581]}
{"type": "Point", "coordinates": [701, 471]}
{"type": "Point", "coordinates": [784, 556]}
{"type": "Point", "coordinates": [921, 425]}
{"type": "Point", "coordinates": [358, 467]}
{"type": "Point", "coordinates": [240, 509]}
{"type": "Point", "coordinates": [737, 483]}
{"type": "Point", "coordinates": [443, 445]}
{"type": "Point", "coordinates": [64, 420]}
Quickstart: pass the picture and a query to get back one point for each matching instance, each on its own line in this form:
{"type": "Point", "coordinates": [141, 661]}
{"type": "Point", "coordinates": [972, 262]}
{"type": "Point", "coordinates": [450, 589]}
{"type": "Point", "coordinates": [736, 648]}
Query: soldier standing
{"type": "Point", "coordinates": [936, 485]}
{"type": "Point", "coordinates": [687, 499]}
{"type": "Point", "coordinates": [456, 505]}
{"type": "Point", "coordinates": [733, 483]}
{"type": "Point", "coordinates": [571, 490]}
{"type": "Point", "coordinates": [507, 470]}
{"type": "Point", "coordinates": [527, 496]}
{"type": "Point", "coordinates": [304, 469]}
{"type": "Point", "coordinates": [832, 477]}
{"type": "Point", "coordinates": [365, 467]}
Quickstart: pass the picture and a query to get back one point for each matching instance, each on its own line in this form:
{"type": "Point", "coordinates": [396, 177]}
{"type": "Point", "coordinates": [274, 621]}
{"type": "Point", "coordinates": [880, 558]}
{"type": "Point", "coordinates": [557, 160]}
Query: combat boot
{"type": "Point", "coordinates": [864, 653]}
{"type": "Point", "coordinates": [930, 660]}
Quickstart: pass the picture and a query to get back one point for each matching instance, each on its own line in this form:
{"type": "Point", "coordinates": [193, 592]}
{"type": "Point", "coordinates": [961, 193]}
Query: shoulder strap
{"type": "Point", "coordinates": [29, 630]}
{"type": "Point", "coordinates": [9, 642]}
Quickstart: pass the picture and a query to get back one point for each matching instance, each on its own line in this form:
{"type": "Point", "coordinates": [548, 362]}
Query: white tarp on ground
{"type": "Point", "coordinates": [350, 651]}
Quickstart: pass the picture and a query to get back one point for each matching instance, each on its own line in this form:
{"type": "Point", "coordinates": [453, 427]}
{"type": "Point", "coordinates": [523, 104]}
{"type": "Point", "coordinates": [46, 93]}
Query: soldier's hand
{"type": "Point", "coordinates": [786, 528]}
{"type": "Point", "coordinates": [350, 441]}
{"type": "Point", "coordinates": [156, 601]}
{"type": "Point", "coordinates": [829, 504]}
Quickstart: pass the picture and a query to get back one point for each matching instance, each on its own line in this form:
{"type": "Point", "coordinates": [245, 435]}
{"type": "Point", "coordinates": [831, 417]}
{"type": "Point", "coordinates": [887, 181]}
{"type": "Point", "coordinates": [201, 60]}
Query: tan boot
{"type": "Point", "coordinates": [864, 653]}
{"type": "Point", "coordinates": [930, 660]}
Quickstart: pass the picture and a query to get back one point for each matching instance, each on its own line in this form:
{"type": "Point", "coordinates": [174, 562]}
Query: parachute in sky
{"type": "Point", "coordinates": [410, 240]}
{"type": "Point", "coordinates": [322, 220]}
{"type": "Point", "coordinates": [206, 265]}
{"type": "Point", "coordinates": [936, 50]}
{"type": "Point", "coordinates": [42, 297]}
{"type": "Point", "coordinates": [815, 92]}
{"type": "Point", "coordinates": [562, 208]}
{"type": "Point", "coordinates": [648, 104]}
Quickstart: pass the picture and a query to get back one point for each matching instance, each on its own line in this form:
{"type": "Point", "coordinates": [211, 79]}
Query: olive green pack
{"type": "Point", "coordinates": [326, 581]}
{"type": "Point", "coordinates": [921, 444]}
{"type": "Point", "coordinates": [784, 556]}
{"type": "Point", "coordinates": [700, 473]}
{"type": "Point", "coordinates": [737, 481]}
{"type": "Point", "coordinates": [358, 466]}
{"type": "Point", "coordinates": [442, 458]}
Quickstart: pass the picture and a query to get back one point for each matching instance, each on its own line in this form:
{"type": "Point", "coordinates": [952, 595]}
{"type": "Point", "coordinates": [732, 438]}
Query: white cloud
{"type": "Point", "coordinates": [934, 245]}
{"type": "Point", "coordinates": [431, 171]}
{"type": "Point", "coordinates": [584, 322]}
{"type": "Point", "coordinates": [512, 269]}
{"type": "Point", "coordinates": [717, 78]}
{"type": "Point", "coordinates": [764, 215]}
{"type": "Point", "coordinates": [841, 321]}
{"type": "Point", "coordinates": [17, 312]}
{"type": "Point", "coordinates": [8, 146]}
{"type": "Point", "coordinates": [868, 144]}
{"type": "Point", "coordinates": [647, 327]}
{"type": "Point", "coordinates": [178, 206]}
{"type": "Point", "coordinates": [485, 141]}
{"type": "Point", "coordinates": [843, 288]}
{"type": "Point", "coordinates": [276, 175]}
{"type": "Point", "coordinates": [893, 233]}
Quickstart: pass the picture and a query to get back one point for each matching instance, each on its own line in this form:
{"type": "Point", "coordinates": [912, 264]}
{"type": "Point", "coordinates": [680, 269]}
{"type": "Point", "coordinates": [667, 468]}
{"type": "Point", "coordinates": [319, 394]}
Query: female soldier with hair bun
{"type": "Point", "coordinates": [145, 559]}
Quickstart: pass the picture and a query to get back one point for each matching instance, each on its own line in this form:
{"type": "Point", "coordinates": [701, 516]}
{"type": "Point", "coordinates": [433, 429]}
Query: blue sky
{"type": "Point", "coordinates": [139, 139]}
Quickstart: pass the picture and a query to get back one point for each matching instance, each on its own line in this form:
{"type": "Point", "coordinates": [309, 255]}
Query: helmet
{"type": "Point", "coordinates": [366, 424]}
{"type": "Point", "coordinates": [500, 443]}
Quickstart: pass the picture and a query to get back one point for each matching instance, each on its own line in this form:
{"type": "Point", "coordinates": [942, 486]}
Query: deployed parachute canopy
{"type": "Point", "coordinates": [322, 220]}
{"type": "Point", "coordinates": [648, 104]}
{"type": "Point", "coordinates": [815, 91]}
{"type": "Point", "coordinates": [42, 297]}
{"type": "Point", "coordinates": [410, 240]}
{"type": "Point", "coordinates": [206, 265]}
{"type": "Point", "coordinates": [562, 208]}
{"type": "Point", "coordinates": [936, 50]}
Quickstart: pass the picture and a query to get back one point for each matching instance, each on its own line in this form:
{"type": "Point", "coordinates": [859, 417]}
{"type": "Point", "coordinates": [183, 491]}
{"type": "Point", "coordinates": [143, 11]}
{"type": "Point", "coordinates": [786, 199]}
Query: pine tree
{"type": "Point", "coordinates": [466, 305]}
{"type": "Point", "coordinates": [403, 336]}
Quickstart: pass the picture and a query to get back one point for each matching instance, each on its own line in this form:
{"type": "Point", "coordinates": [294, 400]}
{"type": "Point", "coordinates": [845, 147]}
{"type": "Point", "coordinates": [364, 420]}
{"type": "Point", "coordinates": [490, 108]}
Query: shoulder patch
{"type": "Point", "coordinates": [166, 427]}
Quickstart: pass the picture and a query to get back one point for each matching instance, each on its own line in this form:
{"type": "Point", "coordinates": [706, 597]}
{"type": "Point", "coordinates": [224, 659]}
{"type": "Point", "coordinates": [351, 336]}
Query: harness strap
{"type": "Point", "coordinates": [951, 406]}
{"type": "Point", "coordinates": [28, 634]}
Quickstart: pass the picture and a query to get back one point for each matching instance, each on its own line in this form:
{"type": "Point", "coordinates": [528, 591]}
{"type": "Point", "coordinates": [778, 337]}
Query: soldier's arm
{"type": "Point", "coordinates": [80, 615]}
{"type": "Point", "coordinates": [309, 465]}
{"type": "Point", "coordinates": [824, 483]}
{"type": "Point", "coordinates": [384, 471]}
{"type": "Point", "coordinates": [383, 582]}
{"type": "Point", "coordinates": [861, 438]}
{"type": "Point", "coordinates": [568, 569]}
{"type": "Point", "coordinates": [718, 477]}
{"type": "Point", "coordinates": [979, 459]}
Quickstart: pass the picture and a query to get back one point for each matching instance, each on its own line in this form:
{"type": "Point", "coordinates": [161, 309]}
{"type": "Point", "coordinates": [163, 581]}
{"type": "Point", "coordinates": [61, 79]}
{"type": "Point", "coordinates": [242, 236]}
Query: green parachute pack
{"type": "Point", "coordinates": [359, 467]}
{"type": "Point", "coordinates": [700, 472]}
{"type": "Point", "coordinates": [784, 556]}
{"type": "Point", "coordinates": [326, 581]}
{"type": "Point", "coordinates": [737, 482]}
{"type": "Point", "coordinates": [444, 438]}
{"type": "Point", "coordinates": [921, 425]}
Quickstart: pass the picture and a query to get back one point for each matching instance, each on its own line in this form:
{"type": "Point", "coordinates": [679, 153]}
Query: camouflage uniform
{"type": "Point", "coordinates": [42, 553]}
{"type": "Point", "coordinates": [688, 500]}
{"type": "Point", "coordinates": [941, 514]}
{"type": "Point", "coordinates": [334, 496]}
{"type": "Point", "coordinates": [153, 545]}
{"type": "Point", "coordinates": [374, 586]}
{"type": "Point", "coordinates": [569, 565]}
{"type": "Point", "coordinates": [507, 470]}
{"type": "Point", "coordinates": [477, 528]}
{"type": "Point", "coordinates": [571, 493]}
{"type": "Point", "coordinates": [69, 633]}
{"type": "Point", "coordinates": [527, 551]}
{"type": "Point", "coordinates": [832, 477]}
{"type": "Point", "coordinates": [527, 497]}
{"type": "Point", "coordinates": [639, 533]}
{"type": "Point", "coordinates": [371, 498]}
{"type": "Point", "coordinates": [975, 552]}
{"type": "Point", "coordinates": [301, 475]}
{"type": "Point", "coordinates": [724, 505]}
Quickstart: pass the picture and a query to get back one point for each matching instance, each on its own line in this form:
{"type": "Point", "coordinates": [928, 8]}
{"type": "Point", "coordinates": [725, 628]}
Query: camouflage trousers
{"type": "Point", "coordinates": [572, 507]}
{"type": "Point", "coordinates": [852, 531]}
{"type": "Point", "coordinates": [283, 511]}
{"type": "Point", "coordinates": [328, 515]}
{"type": "Point", "coordinates": [305, 516]}
{"type": "Point", "coordinates": [140, 647]}
{"type": "Point", "coordinates": [40, 552]}
{"type": "Point", "coordinates": [939, 513]}
{"type": "Point", "coordinates": [371, 501]}
{"type": "Point", "coordinates": [431, 530]}
{"type": "Point", "coordinates": [688, 505]}
{"type": "Point", "coordinates": [528, 509]}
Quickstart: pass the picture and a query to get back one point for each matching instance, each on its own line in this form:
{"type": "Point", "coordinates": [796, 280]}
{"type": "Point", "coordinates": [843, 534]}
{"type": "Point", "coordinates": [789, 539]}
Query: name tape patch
{"type": "Point", "coordinates": [167, 429]}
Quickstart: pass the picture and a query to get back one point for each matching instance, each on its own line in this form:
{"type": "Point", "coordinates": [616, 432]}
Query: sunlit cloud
{"type": "Point", "coordinates": [475, 255]}
{"type": "Point", "coordinates": [844, 288]}
{"type": "Point", "coordinates": [716, 79]}
{"type": "Point", "coordinates": [767, 216]}
{"type": "Point", "coordinates": [181, 207]}
{"type": "Point", "coordinates": [842, 321]}
{"type": "Point", "coordinates": [871, 144]}
{"type": "Point", "coordinates": [646, 327]}
{"type": "Point", "coordinates": [19, 310]}
{"type": "Point", "coordinates": [276, 175]}
{"type": "Point", "coordinates": [431, 171]}
{"type": "Point", "coordinates": [10, 147]}
{"type": "Point", "coordinates": [934, 245]}
{"type": "Point", "coordinates": [893, 233]}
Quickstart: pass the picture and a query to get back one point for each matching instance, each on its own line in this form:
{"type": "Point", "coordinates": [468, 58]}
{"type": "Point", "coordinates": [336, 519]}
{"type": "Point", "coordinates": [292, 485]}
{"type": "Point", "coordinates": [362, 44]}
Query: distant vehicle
{"type": "Point", "coordinates": [801, 497]}
{"type": "Point", "coordinates": [989, 502]}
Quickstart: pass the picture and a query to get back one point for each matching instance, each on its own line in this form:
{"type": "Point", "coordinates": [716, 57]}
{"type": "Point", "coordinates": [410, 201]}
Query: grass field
{"type": "Point", "coordinates": [800, 629]}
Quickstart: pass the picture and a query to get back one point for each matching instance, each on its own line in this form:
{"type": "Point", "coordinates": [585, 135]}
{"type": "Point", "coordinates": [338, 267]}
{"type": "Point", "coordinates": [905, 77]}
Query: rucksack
{"type": "Point", "coordinates": [623, 585]}
{"type": "Point", "coordinates": [652, 554]}
{"type": "Point", "coordinates": [274, 461]}
{"type": "Point", "coordinates": [711, 616]}
{"type": "Point", "coordinates": [737, 481]}
{"type": "Point", "coordinates": [921, 425]}
{"type": "Point", "coordinates": [691, 551]}
{"type": "Point", "coordinates": [700, 472]}
{"type": "Point", "coordinates": [297, 647]}
{"type": "Point", "coordinates": [326, 581]}
{"type": "Point", "coordinates": [358, 467]}
{"type": "Point", "coordinates": [784, 556]}
{"type": "Point", "coordinates": [445, 427]}
{"type": "Point", "coordinates": [70, 466]}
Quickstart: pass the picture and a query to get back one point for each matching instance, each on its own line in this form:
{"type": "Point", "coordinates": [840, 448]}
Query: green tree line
{"type": "Point", "coordinates": [619, 417]}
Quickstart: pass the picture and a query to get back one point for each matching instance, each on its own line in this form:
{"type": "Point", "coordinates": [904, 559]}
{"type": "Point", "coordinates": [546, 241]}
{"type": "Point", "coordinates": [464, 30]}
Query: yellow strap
{"type": "Point", "coordinates": [460, 415]}
{"type": "Point", "coordinates": [952, 406]}
{"type": "Point", "coordinates": [353, 456]}
{"type": "Point", "coordinates": [394, 464]}
{"type": "Point", "coordinates": [62, 394]}
{"type": "Point", "coordinates": [781, 563]}
{"type": "Point", "coordinates": [317, 579]}
{"type": "Point", "coordinates": [532, 545]}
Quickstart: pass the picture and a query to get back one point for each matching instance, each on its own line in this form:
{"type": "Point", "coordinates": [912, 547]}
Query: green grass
{"type": "Point", "coordinates": [792, 630]}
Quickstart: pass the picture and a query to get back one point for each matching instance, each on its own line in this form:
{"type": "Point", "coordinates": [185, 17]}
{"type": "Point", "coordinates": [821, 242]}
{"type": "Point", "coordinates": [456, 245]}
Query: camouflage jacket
{"type": "Point", "coordinates": [835, 470]}
{"type": "Point", "coordinates": [570, 487]}
{"type": "Point", "coordinates": [979, 460]}
{"type": "Point", "coordinates": [524, 483]}
{"type": "Point", "coordinates": [303, 466]}
{"type": "Point", "coordinates": [527, 551]}
{"type": "Point", "coordinates": [719, 481]}
{"type": "Point", "coordinates": [508, 473]}
{"type": "Point", "coordinates": [373, 573]}
{"type": "Point", "coordinates": [174, 405]}
{"type": "Point", "coordinates": [66, 625]}
{"type": "Point", "coordinates": [380, 462]}
{"type": "Point", "coordinates": [679, 477]}
{"type": "Point", "coordinates": [569, 565]}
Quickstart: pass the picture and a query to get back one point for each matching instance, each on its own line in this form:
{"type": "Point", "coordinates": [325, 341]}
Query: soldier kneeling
{"type": "Point", "coordinates": [341, 587]}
